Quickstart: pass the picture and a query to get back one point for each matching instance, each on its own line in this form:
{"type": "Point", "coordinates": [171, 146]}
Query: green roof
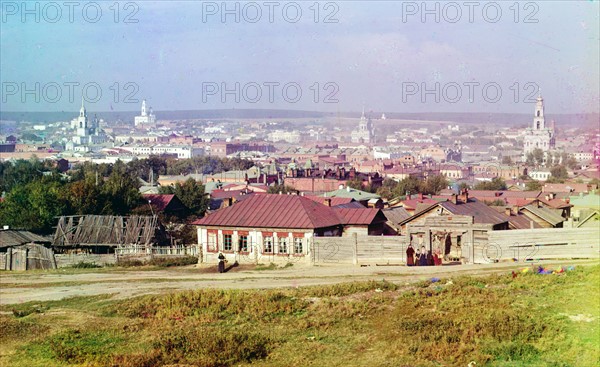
{"type": "Point", "coordinates": [585, 201]}
{"type": "Point", "coordinates": [357, 195]}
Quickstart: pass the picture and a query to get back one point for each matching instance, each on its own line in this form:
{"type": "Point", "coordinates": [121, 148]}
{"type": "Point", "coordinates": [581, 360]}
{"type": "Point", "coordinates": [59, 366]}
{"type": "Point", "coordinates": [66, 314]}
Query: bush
{"type": "Point", "coordinates": [85, 265]}
{"type": "Point", "coordinates": [212, 346]}
{"type": "Point", "coordinates": [74, 346]}
{"type": "Point", "coordinates": [162, 262]}
{"type": "Point", "coordinates": [165, 262]}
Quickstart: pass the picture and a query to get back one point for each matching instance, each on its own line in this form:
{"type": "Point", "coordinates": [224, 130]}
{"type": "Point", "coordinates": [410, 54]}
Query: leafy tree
{"type": "Point", "coordinates": [142, 167]}
{"type": "Point", "coordinates": [85, 197]}
{"type": "Point", "coordinates": [121, 189]}
{"type": "Point", "coordinates": [571, 162]}
{"type": "Point", "coordinates": [497, 183]}
{"type": "Point", "coordinates": [33, 206]}
{"type": "Point", "coordinates": [507, 160]}
{"type": "Point", "coordinates": [410, 185]}
{"type": "Point", "coordinates": [433, 185]}
{"type": "Point", "coordinates": [497, 202]}
{"type": "Point", "coordinates": [533, 186]}
{"type": "Point", "coordinates": [558, 174]}
{"type": "Point", "coordinates": [284, 189]}
{"type": "Point", "coordinates": [463, 186]}
{"type": "Point", "coordinates": [530, 160]}
{"type": "Point", "coordinates": [21, 172]}
{"type": "Point", "coordinates": [191, 194]}
{"type": "Point", "coordinates": [538, 156]}
{"type": "Point", "coordinates": [387, 188]}
{"type": "Point", "coordinates": [355, 183]}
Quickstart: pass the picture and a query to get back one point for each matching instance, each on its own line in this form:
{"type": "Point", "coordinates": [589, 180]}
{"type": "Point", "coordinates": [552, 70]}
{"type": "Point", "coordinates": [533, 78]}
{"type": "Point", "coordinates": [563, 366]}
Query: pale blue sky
{"type": "Point", "coordinates": [371, 54]}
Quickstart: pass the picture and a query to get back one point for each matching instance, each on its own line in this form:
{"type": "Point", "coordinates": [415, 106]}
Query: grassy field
{"type": "Point", "coordinates": [498, 320]}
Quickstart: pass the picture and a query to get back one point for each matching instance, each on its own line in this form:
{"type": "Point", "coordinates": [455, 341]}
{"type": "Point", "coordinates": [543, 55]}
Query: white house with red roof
{"type": "Point", "coordinates": [279, 228]}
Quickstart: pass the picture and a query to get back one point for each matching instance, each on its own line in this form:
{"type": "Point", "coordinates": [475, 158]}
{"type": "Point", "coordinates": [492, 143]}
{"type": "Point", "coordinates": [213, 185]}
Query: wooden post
{"type": "Point", "coordinates": [8, 265]}
{"type": "Point", "coordinates": [355, 249]}
{"type": "Point", "coordinates": [471, 259]}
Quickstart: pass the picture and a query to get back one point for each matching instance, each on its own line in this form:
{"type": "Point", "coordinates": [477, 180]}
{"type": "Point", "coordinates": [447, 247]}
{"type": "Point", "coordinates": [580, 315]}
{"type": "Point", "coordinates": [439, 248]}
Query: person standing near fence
{"type": "Point", "coordinates": [423, 257]}
{"type": "Point", "coordinates": [410, 253]}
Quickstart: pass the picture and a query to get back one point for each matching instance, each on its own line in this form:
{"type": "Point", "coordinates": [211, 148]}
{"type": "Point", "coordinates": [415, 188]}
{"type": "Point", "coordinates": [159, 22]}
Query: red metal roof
{"type": "Point", "coordinates": [159, 201]}
{"type": "Point", "coordinates": [362, 216]}
{"type": "Point", "coordinates": [334, 201]}
{"type": "Point", "coordinates": [273, 211]}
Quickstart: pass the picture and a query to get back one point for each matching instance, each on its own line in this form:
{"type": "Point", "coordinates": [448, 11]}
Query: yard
{"type": "Point", "coordinates": [428, 319]}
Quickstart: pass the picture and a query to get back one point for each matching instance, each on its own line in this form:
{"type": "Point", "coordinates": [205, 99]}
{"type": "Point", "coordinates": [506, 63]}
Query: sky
{"type": "Point", "coordinates": [388, 56]}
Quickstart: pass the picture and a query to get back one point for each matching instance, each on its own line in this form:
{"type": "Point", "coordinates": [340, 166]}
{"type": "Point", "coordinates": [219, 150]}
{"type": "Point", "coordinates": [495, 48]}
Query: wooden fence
{"type": "Point", "coordinates": [155, 250]}
{"type": "Point", "coordinates": [533, 244]}
{"type": "Point", "coordinates": [359, 249]}
{"type": "Point", "coordinates": [28, 257]}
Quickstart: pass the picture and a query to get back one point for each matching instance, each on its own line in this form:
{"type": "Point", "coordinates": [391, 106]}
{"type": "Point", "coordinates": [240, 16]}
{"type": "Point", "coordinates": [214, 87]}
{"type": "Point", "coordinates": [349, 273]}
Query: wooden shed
{"type": "Point", "coordinates": [23, 250]}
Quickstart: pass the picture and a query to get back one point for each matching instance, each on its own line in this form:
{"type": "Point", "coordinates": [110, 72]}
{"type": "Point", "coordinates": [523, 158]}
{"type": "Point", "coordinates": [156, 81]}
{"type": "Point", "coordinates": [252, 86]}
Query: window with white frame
{"type": "Point", "coordinates": [268, 245]}
{"type": "Point", "coordinates": [212, 242]}
{"type": "Point", "coordinates": [298, 245]}
{"type": "Point", "coordinates": [283, 245]}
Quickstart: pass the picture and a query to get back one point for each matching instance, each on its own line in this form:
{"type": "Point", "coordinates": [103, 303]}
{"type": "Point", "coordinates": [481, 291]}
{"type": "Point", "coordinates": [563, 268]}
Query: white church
{"type": "Point", "coordinates": [86, 132]}
{"type": "Point", "coordinates": [365, 134]}
{"type": "Point", "coordinates": [538, 135]}
{"type": "Point", "coordinates": [145, 118]}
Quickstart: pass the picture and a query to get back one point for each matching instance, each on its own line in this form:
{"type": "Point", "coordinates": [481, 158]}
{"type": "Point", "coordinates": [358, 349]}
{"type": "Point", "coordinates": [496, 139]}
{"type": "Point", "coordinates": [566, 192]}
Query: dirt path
{"type": "Point", "coordinates": [24, 287]}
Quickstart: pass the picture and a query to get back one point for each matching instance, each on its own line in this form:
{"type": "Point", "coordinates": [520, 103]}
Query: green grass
{"type": "Point", "coordinates": [531, 320]}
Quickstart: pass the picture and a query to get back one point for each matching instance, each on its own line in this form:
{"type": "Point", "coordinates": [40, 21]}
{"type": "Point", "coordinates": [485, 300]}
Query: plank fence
{"type": "Point", "coordinates": [547, 243]}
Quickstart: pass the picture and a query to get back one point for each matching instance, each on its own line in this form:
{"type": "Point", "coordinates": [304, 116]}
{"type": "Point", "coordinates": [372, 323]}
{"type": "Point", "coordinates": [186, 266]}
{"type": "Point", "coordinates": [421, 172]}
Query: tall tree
{"type": "Point", "coordinates": [497, 183]}
{"type": "Point", "coordinates": [191, 193]}
{"type": "Point", "coordinates": [122, 190]}
{"type": "Point", "coordinates": [33, 206]}
{"type": "Point", "coordinates": [433, 184]}
{"type": "Point", "coordinates": [533, 185]}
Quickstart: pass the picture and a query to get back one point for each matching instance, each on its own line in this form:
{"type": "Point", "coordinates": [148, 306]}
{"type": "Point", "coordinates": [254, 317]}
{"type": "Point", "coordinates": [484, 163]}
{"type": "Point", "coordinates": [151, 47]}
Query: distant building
{"type": "Point", "coordinates": [538, 135]}
{"type": "Point", "coordinates": [365, 133]}
{"type": "Point", "coordinates": [145, 118]}
{"type": "Point", "coordinates": [87, 132]}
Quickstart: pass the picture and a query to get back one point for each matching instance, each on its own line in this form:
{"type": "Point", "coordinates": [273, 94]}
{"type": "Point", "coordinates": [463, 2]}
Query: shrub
{"type": "Point", "coordinates": [85, 265]}
{"type": "Point", "coordinates": [74, 346]}
{"type": "Point", "coordinates": [212, 346]}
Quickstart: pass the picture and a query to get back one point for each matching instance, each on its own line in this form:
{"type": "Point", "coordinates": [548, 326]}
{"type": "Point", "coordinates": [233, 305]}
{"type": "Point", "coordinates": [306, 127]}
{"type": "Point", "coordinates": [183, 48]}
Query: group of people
{"type": "Point", "coordinates": [422, 257]}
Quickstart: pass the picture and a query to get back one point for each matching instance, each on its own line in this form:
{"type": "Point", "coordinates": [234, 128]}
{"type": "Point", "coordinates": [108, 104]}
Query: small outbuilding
{"type": "Point", "coordinates": [23, 250]}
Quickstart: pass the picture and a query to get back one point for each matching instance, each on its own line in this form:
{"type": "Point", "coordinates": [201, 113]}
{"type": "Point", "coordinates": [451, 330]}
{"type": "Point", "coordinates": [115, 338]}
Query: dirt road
{"type": "Point", "coordinates": [44, 286]}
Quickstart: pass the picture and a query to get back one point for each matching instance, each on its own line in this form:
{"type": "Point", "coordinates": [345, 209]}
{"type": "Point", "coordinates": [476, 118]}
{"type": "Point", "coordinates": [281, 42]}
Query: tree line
{"type": "Point", "coordinates": [35, 192]}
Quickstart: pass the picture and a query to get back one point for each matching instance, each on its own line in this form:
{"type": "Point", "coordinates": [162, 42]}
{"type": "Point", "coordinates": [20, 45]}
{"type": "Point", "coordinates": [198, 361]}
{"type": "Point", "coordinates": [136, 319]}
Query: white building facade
{"type": "Point", "coordinates": [145, 117]}
{"type": "Point", "coordinates": [365, 134]}
{"type": "Point", "coordinates": [538, 135]}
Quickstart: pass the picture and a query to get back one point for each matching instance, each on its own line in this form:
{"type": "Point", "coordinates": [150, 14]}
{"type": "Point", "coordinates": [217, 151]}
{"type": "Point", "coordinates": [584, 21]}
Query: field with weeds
{"type": "Point", "coordinates": [497, 320]}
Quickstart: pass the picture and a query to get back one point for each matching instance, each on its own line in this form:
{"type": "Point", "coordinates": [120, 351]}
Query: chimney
{"type": "Point", "coordinates": [341, 186]}
{"type": "Point", "coordinates": [348, 188]}
{"type": "Point", "coordinates": [507, 211]}
{"type": "Point", "coordinates": [454, 199]}
{"type": "Point", "coordinates": [464, 196]}
{"type": "Point", "coordinates": [327, 202]}
{"type": "Point", "coordinates": [407, 196]}
{"type": "Point", "coordinates": [420, 196]}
